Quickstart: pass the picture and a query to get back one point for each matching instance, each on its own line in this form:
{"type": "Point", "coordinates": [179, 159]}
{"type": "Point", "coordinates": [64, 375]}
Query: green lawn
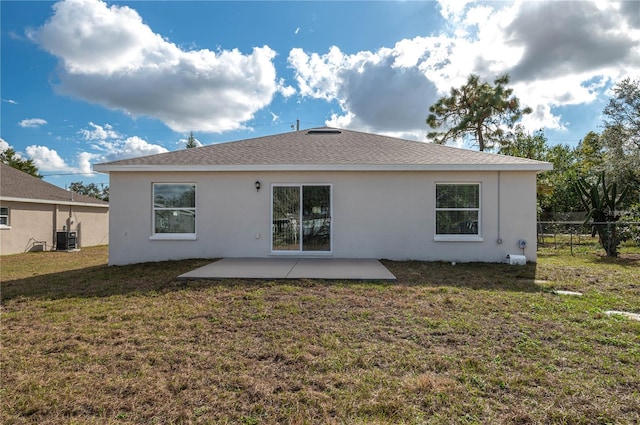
{"type": "Point", "coordinates": [472, 343]}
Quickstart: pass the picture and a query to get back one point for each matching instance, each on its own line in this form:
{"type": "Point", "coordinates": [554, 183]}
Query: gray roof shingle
{"type": "Point", "coordinates": [17, 185]}
{"type": "Point", "coordinates": [322, 148]}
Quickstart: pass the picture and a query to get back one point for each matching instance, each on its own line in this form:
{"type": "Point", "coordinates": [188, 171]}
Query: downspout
{"type": "Point", "coordinates": [70, 219]}
{"type": "Point", "coordinates": [499, 240]}
{"type": "Point", "coordinates": [55, 227]}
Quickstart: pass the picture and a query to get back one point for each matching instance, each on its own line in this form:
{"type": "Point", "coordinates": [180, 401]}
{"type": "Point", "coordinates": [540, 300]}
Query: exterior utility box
{"type": "Point", "coordinates": [66, 241]}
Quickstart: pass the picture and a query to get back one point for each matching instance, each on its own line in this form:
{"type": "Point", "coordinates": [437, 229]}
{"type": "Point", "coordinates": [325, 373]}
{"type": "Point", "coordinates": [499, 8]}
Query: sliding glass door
{"type": "Point", "coordinates": [301, 218]}
{"type": "Point", "coordinates": [316, 218]}
{"type": "Point", "coordinates": [285, 218]}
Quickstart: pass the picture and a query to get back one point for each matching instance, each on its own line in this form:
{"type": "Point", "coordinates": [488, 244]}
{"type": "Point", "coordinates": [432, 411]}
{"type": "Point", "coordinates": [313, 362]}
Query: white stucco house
{"type": "Point", "coordinates": [323, 192]}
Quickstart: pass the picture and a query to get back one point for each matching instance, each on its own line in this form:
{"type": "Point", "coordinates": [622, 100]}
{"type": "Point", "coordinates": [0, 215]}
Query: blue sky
{"type": "Point", "coordinates": [86, 81]}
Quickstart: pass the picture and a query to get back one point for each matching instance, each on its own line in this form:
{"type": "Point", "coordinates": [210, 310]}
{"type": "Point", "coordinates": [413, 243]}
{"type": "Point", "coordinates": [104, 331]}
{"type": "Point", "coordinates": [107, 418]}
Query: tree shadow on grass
{"type": "Point", "coordinates": [102, 281]}
{"type": "Point", "coordinates": [493, 276]}
{"type": "Point", "coordinates": [623, 260]}
{"type": "Point", "coordinates": [106, 281]}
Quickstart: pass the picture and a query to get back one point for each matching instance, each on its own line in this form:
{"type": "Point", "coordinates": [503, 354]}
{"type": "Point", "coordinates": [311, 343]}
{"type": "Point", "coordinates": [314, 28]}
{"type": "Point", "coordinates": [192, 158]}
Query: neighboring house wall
{"type": "Point", "coordinates": [32, 226]}
{"type": "Point", "coordinates": [91, 224]}
{"type": "Point", "coordinates": [387, 215]}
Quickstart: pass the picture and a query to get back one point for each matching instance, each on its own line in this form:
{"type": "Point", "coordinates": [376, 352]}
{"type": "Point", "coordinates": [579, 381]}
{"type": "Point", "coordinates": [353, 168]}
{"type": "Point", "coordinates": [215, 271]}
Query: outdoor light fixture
{"type": "Point", "coordinates": [257, 185]}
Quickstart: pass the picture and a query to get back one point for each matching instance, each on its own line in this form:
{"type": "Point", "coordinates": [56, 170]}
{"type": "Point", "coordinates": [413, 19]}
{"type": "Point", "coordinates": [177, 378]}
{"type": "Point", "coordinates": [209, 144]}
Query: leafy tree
{"type": "Point", "coordinates": [524, 145]}
{"type": "Point", "coordinates": [602, 202]}
{"type": "Point", "coordinates": [560, 196]}
{"type": "Point", "coordinates": [623, 112]}
{"type": "Point", "coordinates": [554, 188]}
{"type": "Point", "coordinates": [621, 162]}
{"type": "Point", "coordinates": [604, 152]}
{"type": "Point", "coordinates": [621, 135]}
{"type": "Point", "coordinates": [615, 151]}
{"type": "Point", "coordinates": [90, 189]}
{"type": "Point", "coordinates": [12, 159]}
{"type": "Point", "coordinates": [476, 109]}
{"type": "Point", "coordinates": [590, 154]}
{"type": "Point", "coordinates": [632, 229]}
{"type": "Point", "coordinates": [191, 142]}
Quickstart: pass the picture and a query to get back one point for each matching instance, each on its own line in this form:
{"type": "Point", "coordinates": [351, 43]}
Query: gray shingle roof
{"type": "Point", "coordinates": [322, 148]}
{"type": "Point", "coordinates": [16, 185]}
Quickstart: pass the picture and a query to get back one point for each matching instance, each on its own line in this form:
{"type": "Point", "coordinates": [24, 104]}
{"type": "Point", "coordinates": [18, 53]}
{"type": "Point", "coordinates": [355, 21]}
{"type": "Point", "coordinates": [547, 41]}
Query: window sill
{"type": "Point", "coordinates": [458, 238]}
{"type": "Point", "coordinates": [173, 237]}
{"type": "Point", "coordinates": [5, 227]}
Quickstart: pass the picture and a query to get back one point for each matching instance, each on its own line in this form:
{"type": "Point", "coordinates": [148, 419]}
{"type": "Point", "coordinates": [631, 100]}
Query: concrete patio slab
{"type": "Point", "coordinates": [292, 268]}
{"type": "Point", "coordinates": [340, 268]}
{"type": "Point", "coordinates": [245, 268]}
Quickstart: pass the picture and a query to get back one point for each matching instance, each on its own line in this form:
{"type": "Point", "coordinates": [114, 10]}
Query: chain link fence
{"type": "Point", "coordinates": [574, 234]}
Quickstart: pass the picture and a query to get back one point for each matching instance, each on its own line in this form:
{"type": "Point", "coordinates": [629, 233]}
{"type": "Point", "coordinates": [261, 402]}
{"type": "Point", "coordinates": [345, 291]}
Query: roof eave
{"type": "Point", "coordinates": [534, 166]}
{"type": "Point", "coordinates": [52, 202]}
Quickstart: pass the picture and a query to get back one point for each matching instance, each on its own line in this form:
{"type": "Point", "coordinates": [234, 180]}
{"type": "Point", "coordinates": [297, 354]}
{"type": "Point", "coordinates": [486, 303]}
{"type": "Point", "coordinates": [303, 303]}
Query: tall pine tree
{"type": "Point", "coordinates": [191, 142]}
{"type": "Point", "coordinates": [476, 109]}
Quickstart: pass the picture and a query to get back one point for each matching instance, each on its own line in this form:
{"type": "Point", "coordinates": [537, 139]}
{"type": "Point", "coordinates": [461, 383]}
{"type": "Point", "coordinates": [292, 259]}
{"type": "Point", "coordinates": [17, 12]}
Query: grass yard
{"type": "Point", "coordinates": [84, 343]}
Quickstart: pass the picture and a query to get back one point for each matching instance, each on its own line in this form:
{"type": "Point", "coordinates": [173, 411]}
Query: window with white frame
{"type": "Point", "coordinates": [4, 217]}
{"type": "Point", "coordinates": [457, 209]}
{"type": "Point", "coordinates": [174, 209]}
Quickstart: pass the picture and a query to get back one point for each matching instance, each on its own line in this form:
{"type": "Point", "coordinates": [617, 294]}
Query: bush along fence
{"type": "Point", "coordinates": [575, 234]}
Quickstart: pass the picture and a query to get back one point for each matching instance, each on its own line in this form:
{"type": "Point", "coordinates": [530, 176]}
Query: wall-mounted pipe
{"type": "Point", "coordinates": [499, 239]}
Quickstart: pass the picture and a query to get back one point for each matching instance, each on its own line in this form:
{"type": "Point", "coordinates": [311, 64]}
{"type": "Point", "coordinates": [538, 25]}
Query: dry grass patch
{"type": "Point", "coordinates": [474, 343]}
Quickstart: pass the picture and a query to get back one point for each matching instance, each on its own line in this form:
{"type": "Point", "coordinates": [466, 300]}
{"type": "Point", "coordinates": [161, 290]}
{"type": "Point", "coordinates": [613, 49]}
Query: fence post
{"type": "Point", "coordinates": [571, 238]}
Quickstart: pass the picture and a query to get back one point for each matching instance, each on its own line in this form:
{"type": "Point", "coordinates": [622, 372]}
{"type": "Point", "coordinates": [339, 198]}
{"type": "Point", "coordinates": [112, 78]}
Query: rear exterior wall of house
{"type": "Point", "coordinates": [383, 215]}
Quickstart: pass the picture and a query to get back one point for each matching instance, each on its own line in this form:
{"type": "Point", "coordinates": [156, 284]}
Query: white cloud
{"type": "Point", "coordinates": [383, 91]}
{"type": "Point", "coordinates": [285, 90]}
{"type": "Point", "coordinates": [125, 148]}
{"type": "Point", "coordinates": [452, 10]}
{"type": "Point", "coordinates": [578, 37]}
{"type": "Point", "coordinates": [98, 132]}
{"type": "Point", "coordinates": [108, 55]}
{"type": "Point", "coordinates": [46, 159]}
{"type": "Point", "coordinates": [32, 123]}
{"type": "Point", "coordinates": [106, 145]}
{"type": "Point", "coordinates": [554, 51]}
{"type": "Point", "coordinates": [4, 145]}
{"type": "Point", "coordinates": [111, 145]}
{"type": "Point", "coordinates": [543, 117]}
{"type": "Point", "coordinates": [85, 159]}
{"type": "Point", "coordinates": [11, 101]}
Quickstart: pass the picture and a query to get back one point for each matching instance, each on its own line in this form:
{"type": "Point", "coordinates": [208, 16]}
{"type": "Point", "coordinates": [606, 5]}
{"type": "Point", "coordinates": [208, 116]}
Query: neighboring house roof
{"type": "Point", "coordinates": [323, 148]}
{"type": "Point", "coordinates": [16, 185]}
